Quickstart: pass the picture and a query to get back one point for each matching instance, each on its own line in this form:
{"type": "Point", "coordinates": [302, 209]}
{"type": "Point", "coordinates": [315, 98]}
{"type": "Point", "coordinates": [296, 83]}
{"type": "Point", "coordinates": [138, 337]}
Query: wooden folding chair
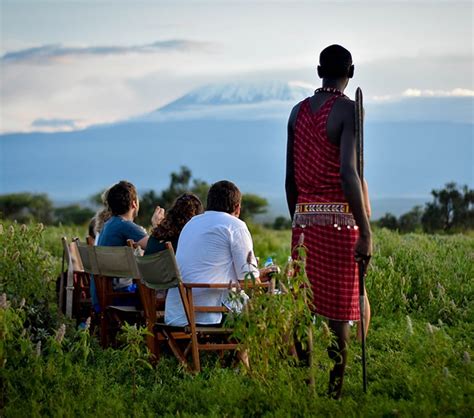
{"type": "Point", "coordinates": [160, 271]}
{"type": "Point", "coordinates": [77, 300]}
{"type": "Point", "coordinates": [153, 308]}
{"type": "Point", "coordinates": [106, 264]}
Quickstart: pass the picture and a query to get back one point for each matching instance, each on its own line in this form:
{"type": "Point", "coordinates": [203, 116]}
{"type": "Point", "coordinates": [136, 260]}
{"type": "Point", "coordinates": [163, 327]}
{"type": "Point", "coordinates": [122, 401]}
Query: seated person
{"type": "Point", "coordinates": [184, 208]}
{"type": "Point", "coordinates": [122, 201]}
{"type": "Point", "coordinates": [98, 221]}
{"type": "Point", "coordinates": [213, 248]}
{"type": "Point", "coordinates": [100, 218]}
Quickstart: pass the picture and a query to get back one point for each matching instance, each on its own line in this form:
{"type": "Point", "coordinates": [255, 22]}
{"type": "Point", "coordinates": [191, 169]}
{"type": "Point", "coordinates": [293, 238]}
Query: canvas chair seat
{"type": "Point", "coordinates": [106, 264]}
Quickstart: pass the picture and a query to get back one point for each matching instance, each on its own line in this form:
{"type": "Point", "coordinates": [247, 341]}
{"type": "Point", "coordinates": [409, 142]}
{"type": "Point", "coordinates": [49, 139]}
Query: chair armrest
{"type": "Point", "coordinates": [207, 285]}
{"type": "Point", "coordinates": [249, 284]}
{"type": "Point", "coordinates": [242, 283]}
{"type": "Point", "coordinates": [210, 309]}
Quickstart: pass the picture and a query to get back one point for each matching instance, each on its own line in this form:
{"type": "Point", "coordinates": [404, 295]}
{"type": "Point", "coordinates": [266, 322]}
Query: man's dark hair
{"type": "Point", "coordinates": [335, 62]}
{"type": "Point", "coordinates": [120, 197]}
{"type": "Point", "coordinates": [223, 196]}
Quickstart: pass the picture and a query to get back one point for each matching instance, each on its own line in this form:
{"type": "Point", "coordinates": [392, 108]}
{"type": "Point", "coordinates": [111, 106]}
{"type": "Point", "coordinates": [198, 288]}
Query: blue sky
{"type": "Point", "coordinates": [87, 62]}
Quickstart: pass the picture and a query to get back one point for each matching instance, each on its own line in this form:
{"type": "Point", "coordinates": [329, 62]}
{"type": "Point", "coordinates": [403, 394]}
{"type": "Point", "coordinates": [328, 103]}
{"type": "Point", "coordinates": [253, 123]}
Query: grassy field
{"type": "Point", "coordinates": [419, 346]}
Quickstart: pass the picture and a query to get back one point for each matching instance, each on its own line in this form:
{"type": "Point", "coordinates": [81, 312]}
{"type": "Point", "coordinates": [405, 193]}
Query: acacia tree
{"type": "Point", "coordinates": [411, 221]}
{"type": "Point", "coordinates": [25, 207]}
{"type": "Point", "coordinates": [252, 205]}
{"type": "Point", "coordinates": [388, 221]}
{"type": "Point", "coordinates": [452, 209]}
{"type": "Point", "coordinates": [182, 182]}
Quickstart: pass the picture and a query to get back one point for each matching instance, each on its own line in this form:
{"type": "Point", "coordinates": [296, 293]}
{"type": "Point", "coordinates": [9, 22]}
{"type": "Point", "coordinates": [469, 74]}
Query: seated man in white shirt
{"type": "Point", "coordinates": [213, 248]}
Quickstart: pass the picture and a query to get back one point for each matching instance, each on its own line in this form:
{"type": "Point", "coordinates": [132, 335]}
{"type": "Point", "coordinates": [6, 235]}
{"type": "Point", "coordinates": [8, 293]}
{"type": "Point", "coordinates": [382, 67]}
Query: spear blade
{"type": "Point", "coordinates": [359, 131]}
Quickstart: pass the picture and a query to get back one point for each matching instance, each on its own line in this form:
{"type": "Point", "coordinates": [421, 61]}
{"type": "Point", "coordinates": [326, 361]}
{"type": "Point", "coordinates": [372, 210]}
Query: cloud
{"type": "Point", "coordinates": [54, 123]}
{"type": "Point", "coordinates": [102, 89]}
{"type": "Point", "coordinates": [458, 92]}
{"type": "Point", "coordinates": [424, 93]}
{"type": "Point", "coordinates": [48, 53]}
{"type": "Point", "coordinates": [303, 84]}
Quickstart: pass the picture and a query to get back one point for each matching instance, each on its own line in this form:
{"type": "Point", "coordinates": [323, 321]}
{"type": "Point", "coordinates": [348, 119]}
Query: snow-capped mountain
{"type": "Point", "coordinates": [257, 100]}
{"type": "Point", "coordinates": [241, 93]}
{"type": "Point", "coordinates": [237, 100]}
{"type": "Point", "coordinates": [237, 131]}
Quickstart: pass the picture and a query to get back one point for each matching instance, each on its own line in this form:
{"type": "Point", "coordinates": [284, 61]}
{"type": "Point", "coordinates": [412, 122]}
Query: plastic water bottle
{"type": "Point", "coordinates": [290, 269]}
{"type": "Point", "coordinates": [270, 267]}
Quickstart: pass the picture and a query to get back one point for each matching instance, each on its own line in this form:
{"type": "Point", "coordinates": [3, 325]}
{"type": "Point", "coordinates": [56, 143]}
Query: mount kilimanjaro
{"type": "Point", "coordinates": [237, 131]}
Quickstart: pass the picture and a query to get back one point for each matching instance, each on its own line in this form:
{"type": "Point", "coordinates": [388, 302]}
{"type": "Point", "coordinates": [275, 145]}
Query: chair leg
{"type": "Point", "coordinates": [150, 340]}
{"type": "Point", "coordinates": [157, 347]}
{"type": "Point", "coordinates": [195, 353]}
{"type": "Point", "coordinates": [104, 340]}
{"type": "Point", "coordinates": [175, 349]}
{"type": "Point", "coordinates": [187, 349]}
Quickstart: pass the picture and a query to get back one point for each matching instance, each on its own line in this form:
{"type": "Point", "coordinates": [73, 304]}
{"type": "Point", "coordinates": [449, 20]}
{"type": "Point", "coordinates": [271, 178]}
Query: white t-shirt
{"type": "Point", "coordinates": [212, 248]}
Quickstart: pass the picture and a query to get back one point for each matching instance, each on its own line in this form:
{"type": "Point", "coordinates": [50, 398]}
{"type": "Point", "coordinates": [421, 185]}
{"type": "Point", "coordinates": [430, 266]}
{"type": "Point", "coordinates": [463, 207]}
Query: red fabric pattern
{"type": "Point", "coordinates": [330, 263]}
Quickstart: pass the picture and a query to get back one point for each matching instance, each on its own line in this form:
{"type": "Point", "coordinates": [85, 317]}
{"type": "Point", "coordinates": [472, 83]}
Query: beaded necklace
{"type": "Point", "coordinates": [332, 90]}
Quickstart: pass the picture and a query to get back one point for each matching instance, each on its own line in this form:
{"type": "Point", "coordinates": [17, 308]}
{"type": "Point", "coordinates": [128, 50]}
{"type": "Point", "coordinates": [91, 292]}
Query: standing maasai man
{"type": "Point", "coordinates": [326, 200]}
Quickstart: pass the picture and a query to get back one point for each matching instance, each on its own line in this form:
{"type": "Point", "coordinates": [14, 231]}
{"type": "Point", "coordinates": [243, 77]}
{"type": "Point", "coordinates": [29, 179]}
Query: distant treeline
{"type": "Point", "coordinates": [26, 207]}
{"type": "Point", "coordinates": [452, 210]}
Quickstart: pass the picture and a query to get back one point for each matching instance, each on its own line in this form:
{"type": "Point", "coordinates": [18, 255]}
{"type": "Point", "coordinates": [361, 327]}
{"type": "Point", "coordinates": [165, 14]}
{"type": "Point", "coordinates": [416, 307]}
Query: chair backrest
{"type": "Point", "coordinates": [116, 262]}
{"type": "Point", "coordinates": [159, 270]}
{"type": "Point", "coordinates": [87, 254]}
{"type": "Point", "coordinates": [71, 251]}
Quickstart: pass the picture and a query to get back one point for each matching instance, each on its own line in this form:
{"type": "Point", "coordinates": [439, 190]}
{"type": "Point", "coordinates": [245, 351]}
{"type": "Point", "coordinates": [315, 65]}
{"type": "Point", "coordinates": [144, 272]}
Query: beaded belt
{"type": "Point", "coordinates": [337, 214]}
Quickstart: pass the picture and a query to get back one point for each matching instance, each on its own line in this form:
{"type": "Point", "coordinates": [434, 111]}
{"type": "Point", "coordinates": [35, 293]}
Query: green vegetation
{"type": "Point", "coordinates": [181, 182]}
{"type": "Point", "coordinates": [29, 207]}
{"type": "Point", "coordinates": [452, 211]}
{"type": "Point", "coordinates": [419, 346]}
{"type": "Point", "coordinates": [26, 207]}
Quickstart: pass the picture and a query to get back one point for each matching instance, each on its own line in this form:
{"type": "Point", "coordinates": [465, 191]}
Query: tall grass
{"type": "Point", "coordinates": [419, 345]}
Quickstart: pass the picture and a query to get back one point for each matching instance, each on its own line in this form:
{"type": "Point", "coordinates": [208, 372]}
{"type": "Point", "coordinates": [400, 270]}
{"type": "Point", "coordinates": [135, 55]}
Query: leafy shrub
{"type": "Point", "coordinates": [430, 276]}
{"type": "Point", "coordinates": [417, 364]}
{"type": "Point", "coordinates": [27, 272]}
{"type": "Point", "coordinates": [273, 321]}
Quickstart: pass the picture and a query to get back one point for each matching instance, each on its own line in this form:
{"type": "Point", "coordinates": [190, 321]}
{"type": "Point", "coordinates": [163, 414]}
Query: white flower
{"type": "Point", "coordinates": [409, 325]}
{"type": "Point", "coordinates": [3, 301]}
{"type": "Point", "coordinates": [60, 333]}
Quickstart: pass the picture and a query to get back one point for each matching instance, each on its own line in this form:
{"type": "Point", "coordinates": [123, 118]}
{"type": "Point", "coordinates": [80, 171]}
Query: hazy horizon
{"type": "Point", "coordinates": [72, 64]}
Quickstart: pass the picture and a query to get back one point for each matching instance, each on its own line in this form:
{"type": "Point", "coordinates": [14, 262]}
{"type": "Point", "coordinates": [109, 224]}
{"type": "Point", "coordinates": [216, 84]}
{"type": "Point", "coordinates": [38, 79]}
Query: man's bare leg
{"type": "Point", "coordinates": [337, 352]}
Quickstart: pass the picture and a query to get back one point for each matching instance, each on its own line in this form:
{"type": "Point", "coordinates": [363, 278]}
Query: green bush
{"type": "Point", "coordinates": [26, 269]}
{"type": "Point", "coordinates": [426, 275]}
{"type": "Point", "coordinates": [419, 347]}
